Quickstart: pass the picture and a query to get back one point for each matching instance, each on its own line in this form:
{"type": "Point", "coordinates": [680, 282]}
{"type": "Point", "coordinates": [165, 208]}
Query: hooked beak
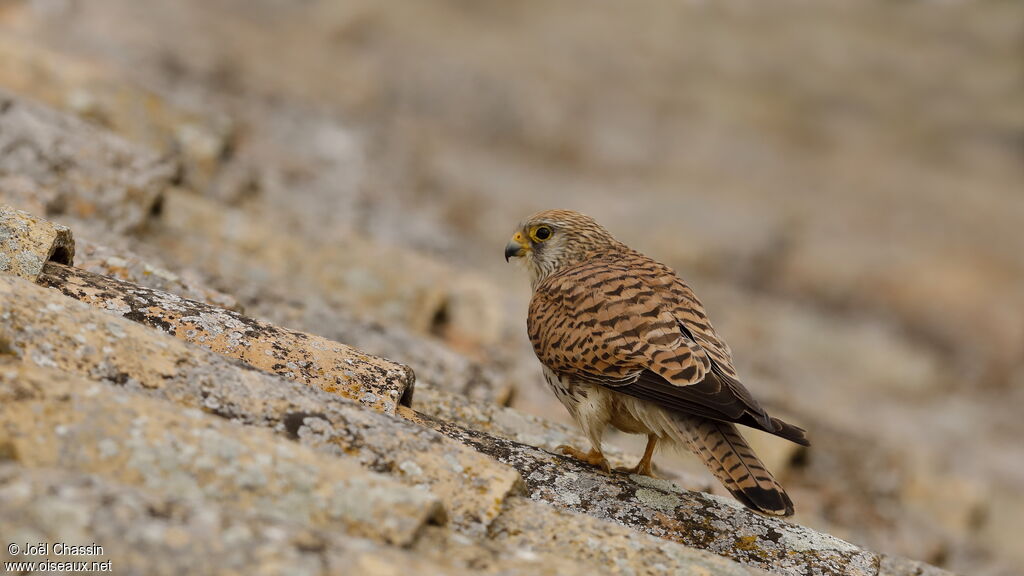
{"type": "Point", "coordinates": [516, 247]}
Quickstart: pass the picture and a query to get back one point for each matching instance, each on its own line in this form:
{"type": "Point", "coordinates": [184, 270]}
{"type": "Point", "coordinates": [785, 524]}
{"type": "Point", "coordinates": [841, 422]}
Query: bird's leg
{"type": "Point", "coordinates": [593, 423]}
{"type": "Point", "coordinates": [595, 457]}
{"type": "Point", "coordinates": [644, 467]}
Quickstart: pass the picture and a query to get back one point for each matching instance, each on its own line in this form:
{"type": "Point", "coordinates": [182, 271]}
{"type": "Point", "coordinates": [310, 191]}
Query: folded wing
{"type": "Point", "coordinates": [632, 325]}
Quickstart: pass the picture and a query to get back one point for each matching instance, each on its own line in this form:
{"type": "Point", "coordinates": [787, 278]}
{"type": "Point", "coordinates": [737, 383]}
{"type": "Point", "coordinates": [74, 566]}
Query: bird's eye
{"type": "Point", "coordinates": [542, 233]}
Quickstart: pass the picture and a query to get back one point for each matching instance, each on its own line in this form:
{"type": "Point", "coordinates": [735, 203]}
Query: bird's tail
{"type": "Point", "coordinates": [734, 463]}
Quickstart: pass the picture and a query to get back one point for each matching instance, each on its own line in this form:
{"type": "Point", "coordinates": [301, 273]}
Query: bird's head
{"type": "Point", "coordinates": [553, 240]}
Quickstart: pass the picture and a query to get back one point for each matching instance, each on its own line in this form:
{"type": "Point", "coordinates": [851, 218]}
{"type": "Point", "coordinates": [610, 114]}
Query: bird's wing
{"type": "Point", "coordinates": [632, 325]}
{"type": "Point", "coordinates": [600, 322]}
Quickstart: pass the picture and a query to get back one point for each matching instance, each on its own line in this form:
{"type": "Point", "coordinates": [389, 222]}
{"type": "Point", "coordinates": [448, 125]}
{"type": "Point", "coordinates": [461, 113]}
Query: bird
{"type": "Point", "coordinates": [624, 341]}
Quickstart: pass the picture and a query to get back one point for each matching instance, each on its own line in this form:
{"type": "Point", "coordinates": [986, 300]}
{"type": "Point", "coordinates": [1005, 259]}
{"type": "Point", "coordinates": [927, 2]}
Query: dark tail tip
{"type": "Point", "coordinates": [772, 502]}
{"type": "Point", "coordinates": [790, 432]}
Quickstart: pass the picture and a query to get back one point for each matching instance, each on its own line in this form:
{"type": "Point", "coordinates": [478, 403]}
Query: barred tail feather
{"type": "Point", "coordinates": [733, 462]}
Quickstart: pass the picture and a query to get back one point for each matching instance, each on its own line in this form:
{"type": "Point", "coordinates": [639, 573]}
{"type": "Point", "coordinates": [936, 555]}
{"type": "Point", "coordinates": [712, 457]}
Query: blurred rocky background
{"type": "Point", "coordinates": [842, 183]}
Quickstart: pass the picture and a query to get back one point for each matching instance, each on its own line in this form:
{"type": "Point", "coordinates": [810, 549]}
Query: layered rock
{"type": "Point", "coordinates": [356, 187]}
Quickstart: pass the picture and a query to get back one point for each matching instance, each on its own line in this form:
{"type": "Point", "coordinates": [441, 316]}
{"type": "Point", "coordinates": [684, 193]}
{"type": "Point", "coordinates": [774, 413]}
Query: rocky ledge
{"type": "Point", "coordinates": [126, 406]}
{"type": "Point", "coordinates": [229, 345]}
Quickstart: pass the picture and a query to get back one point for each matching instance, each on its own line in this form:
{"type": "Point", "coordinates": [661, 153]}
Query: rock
{"type": "Point", "coordinates": [42, 328]}
{"type": "Point", "coordinates": [949, 500]}
{"type": "Point", "coordinates": [437, 365]}
{"type": "Point", "coordinates": [783, 357]}
{"type": "Point", "coordinates": [656, 507]}
{"type": "Point", "coordinates": [73, 169]}
{"type": "Point", "coordinates": [143, 532]}
{"type": "Point", "coordinates": [289, 287]}
{"type": "Point", "coordinates": [541, 528]}
{"type": "Point", "coordinates": [51, 419]}
{"type": "Point", "coordinates": [397, 285]}
{"type": "Point", "coordinates": [95, 93]}
{"type": "Point", "coordinates": [1001, 532]}
{"type": "Point", "coordinates": [895, 566]}
{"type": "Point", "coordinates": [521, 428]}
{"type": "Point", "coordinates": [130, 267]}
{"type": "Point", "coordinates": [940, 291]}
{"type": "Point", "coordinates": [490, 556]}
{"type": "Point", "coordinates": [307, 358]}
{"type": "Point", "coordinates": [878, 308]}
{"type": "Point", "coordinates": [662, 509]}
{"type": "Point", "coordinates": [27, 243]}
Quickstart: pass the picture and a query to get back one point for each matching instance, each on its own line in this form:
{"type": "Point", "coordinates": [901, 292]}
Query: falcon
{"type": "Point", "coordinates": [624, 341]}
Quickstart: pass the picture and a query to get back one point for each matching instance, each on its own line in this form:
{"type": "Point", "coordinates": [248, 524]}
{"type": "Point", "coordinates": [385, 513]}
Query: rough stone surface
{"type": "Point", "coordinates": [27, 243]}
{"type": "Point", "coordinates": [307, 358]}
{"type": "Point", "coordinates": [50, 419]}
{"type": "Point", "coordinates": [67, 166]}
{"type": "Point", "coordinates": [142, 532]}
{"type": "Point", "coordinates": [199, 142]}
{"type": "Point", "coordinates": [497, 420]}
{"type": "Point", "coordinates": [663, 509]}
{"type": "Point", "coordinates": [748, 160]}
{"type": "Point", "coordinates": [895, 566]}
{"type": "Point", "coordinates": [335, 426]}
{"type": "Point", "coordinates": [489, 556]}
{"type": "Point", "coordinates": [398, 285]}
{"type": "Point", "coordinates": [542, 528]}
{"type": "Point", "coordinates": [437, 365]}
{"type": "Point", "coordinates": [130, 267]}
{"type": "Point", "coordinates": [659, 508]}
{"type": "Point", "coordinates": [521, 428]}
{"type": "Point", "coordinates": [42, 327]}
{"type": "Point", "coordinates": [240, 251]}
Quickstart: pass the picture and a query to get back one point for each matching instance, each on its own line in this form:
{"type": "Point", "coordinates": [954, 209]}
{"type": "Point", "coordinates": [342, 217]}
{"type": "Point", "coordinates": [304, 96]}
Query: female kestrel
{"type": "Point", "coordinates": [624, 341]}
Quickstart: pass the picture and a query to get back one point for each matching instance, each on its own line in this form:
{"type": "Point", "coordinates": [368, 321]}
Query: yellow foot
{"type": "Point", "coordinates": [644, 467]}
{"type": "Point", "coordinates": [640, 469]}
{"type": "Point", "coordinates": [594, 457]}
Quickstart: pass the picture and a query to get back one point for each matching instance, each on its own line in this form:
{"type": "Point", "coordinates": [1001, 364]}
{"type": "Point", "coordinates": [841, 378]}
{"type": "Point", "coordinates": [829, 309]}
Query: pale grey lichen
{"type": "Point", "coordinates": [410, 468]}
{"type": "Point", "coordinates": [29, 263]}
{"type": "Point", "coordinates": [107, 448]}
{"type": "Point", "coordinates": [797, 537]}
{"type": "Point", "coordinates": [657, 499]}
